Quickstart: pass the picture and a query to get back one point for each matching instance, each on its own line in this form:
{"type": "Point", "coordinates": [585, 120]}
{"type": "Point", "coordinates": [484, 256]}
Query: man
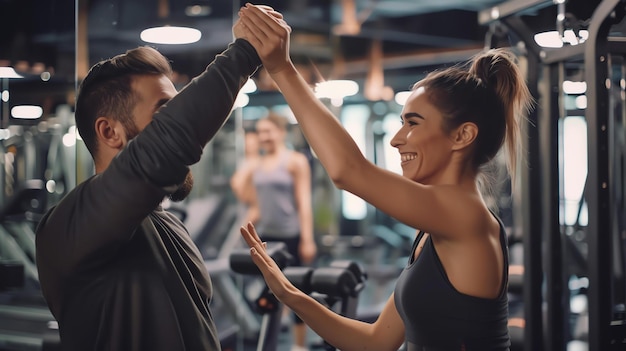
{"type": "Point", "coordinates": [117, 271]}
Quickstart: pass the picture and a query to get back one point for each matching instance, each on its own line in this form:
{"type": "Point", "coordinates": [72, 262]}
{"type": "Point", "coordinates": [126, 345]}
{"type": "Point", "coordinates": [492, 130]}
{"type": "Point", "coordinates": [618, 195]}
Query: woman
{"type": "Point", "coordinates": [452, 294]}
{"type": "Point", "coordinates": [242, 187]}
{"type": "Point", "coordinates": [278, 184]}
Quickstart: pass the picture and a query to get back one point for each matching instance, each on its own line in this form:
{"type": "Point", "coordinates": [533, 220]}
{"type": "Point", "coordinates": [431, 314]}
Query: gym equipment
{"type": "Point", "coordinates": [266, 303]}
{"type": "Point", "coordinates": [234, 317]}
{"type": "Point", "coordinates": [25, 321]}
{"type": "Point", "coordinates": [17, 219]}
{"type": "Point", "coordinates": [336, 287]}
{"type": "Point", "coordinates": [598, 61]}
{"type": "Point", "coordinates": [341, 282]}
{"type": "Point", "coordinates": [11, 275]}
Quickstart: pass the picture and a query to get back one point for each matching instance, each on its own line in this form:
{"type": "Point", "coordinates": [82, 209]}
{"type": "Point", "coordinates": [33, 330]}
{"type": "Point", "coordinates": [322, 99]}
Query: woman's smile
{"type": "Point", "coordinates": [407, 157]}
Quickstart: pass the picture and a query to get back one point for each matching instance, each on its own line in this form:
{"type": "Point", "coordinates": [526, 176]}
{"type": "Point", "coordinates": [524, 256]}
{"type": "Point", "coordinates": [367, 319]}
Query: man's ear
{"type": "Point", "coordinates": [464, 135]}
{"type": "Point", "coordinates": [110, 132]}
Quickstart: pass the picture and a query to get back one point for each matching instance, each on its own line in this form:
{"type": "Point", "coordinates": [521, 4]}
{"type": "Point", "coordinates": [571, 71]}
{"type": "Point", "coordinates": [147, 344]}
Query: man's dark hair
{"type": "Point", "coordinates": [107, 91]}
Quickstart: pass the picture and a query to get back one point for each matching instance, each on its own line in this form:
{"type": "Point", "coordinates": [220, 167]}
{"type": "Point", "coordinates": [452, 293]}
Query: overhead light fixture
{"type": "Point", "coordinates": [336, 89]}
{"type": "Point", "coordinates": [26, 112]}
{"type": "Point", "coordinates": [552, 39]}
{"type": "Point", "coordinates": [402, 96]}
{"type": "Point", "coordinates": [574, 88]}
{"type": "Point", "coordinates": [350, 24]}
{"type": "Point", "coordinates": [581, 102]}
{"type": "Point", "coordinates": [45, 76]}
{"type": "Point", "coordinates": [170, 35]}
{"type": "Point", "coordinates": [9, 72]}
{"type": "Point", "coordinates": [242, 100]}
{"type": "Point", "coordinates": [198, 10]}
{"type": "Point", "coordinates": [374, 87]}
{"type": "Point", "coordinates": [249, 87]}
{"type": "Point", "coordinates": [69, 138]}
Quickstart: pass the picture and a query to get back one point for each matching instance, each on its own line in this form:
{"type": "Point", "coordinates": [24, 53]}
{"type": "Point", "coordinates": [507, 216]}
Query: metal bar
{"type": "Point", "coordinates": [510, 8]}
{"type": "Point", "coordinates": [598, 189]}
{"type": "Point", "coordinates": [416, 59]}
{"type": "Point", "coordinates": [566, 53]}
{"type": "Point", "coordinates": [525, 33]}
{"type": "Point", "coordinates": [413, 38]}
{"type": "Point", "coordinates": [616, 206]}
{"type": "Point", "coordinates": [529, 216]}
{"type": "Point", "coordinates": [617, 45]}
{"type": "Point", "coordinates": [551, 111]}
{"type": "Point", "coordinates": [619, 178]}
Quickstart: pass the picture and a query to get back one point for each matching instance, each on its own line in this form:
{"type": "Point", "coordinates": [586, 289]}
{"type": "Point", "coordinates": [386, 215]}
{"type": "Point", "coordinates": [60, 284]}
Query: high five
{"type": "Point", "coordinates": [452, 294]}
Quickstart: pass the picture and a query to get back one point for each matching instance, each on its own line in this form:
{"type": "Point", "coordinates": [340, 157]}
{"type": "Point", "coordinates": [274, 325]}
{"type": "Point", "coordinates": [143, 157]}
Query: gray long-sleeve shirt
{"type": "Point", "coordinates": [117, 272]}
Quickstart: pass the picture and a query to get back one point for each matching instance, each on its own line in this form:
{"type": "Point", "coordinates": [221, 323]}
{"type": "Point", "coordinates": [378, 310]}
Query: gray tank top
{"type": "Point", "coordinates": [276, 200]}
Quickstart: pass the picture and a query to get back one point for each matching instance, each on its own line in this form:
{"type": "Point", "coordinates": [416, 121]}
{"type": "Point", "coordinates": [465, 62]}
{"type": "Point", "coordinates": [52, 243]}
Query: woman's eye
{"type": "Point", "coordinates": [409, 122]}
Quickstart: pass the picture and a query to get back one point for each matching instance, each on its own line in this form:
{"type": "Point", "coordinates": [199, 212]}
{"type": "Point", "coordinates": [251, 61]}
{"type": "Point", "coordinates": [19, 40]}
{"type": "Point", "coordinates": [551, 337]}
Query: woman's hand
{"type": "Point", "coordinates": [274, 277]}
{"type": "Point", "coordinates": [268, 34]}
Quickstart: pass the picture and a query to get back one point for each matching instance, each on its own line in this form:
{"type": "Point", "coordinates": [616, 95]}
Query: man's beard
{"type": "Point", "coordinates": [183, 190]}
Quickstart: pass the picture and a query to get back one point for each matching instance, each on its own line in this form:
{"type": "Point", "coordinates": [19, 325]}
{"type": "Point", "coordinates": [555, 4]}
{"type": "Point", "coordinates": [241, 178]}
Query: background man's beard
{"type": "Point", "coordinates": [183, 191]}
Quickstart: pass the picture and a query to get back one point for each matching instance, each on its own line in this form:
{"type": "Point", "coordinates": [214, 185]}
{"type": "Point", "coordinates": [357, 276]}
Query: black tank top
{"type": "Point", "coordinates": [437, 317]}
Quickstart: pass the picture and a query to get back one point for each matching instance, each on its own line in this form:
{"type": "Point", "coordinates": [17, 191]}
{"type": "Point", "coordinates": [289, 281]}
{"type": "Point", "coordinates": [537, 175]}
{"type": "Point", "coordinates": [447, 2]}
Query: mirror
{"type": "Point", "coordinates": [37, 154]}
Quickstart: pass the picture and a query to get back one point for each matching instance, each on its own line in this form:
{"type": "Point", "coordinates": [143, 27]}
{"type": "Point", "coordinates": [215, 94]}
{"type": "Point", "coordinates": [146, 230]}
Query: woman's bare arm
{"type": "Point", "coordinates": [387, 333]}
{"type": "Point", "coordinates": [426, 207]}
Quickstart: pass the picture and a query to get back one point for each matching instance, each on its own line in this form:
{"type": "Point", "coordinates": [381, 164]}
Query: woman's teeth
{"type": "Point", "coordinates": [408, 157]}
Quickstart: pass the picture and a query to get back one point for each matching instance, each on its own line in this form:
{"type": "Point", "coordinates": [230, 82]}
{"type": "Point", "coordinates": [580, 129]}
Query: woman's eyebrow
{"type": "Point", "coordinates": [412, 114]}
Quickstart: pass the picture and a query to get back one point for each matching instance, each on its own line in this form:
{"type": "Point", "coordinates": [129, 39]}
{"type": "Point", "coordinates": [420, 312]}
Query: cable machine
{"type": "Point", "coordinates": [551, 253]}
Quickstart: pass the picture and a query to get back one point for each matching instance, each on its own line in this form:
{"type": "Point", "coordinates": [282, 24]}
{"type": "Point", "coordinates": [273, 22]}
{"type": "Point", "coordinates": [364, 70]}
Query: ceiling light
{"type": "Point", "coordinates": [170, 35]}
{"type": "Point", "coordinates": [26, 112]}
{"type": "Point", "coordinates": [45, 76]}
{"type": "Point", "coordinates": [72, 130]}
{"type": "Point", "coordinates": [242, 100]}
{"type": "Point", "coordinates": [402, 96]}
{"type": "Point", "coordinates": [69, 139]}
{"type": "Point", "coordinates": [334, 89]}
{"type": "Point", "coordinates": [249, 87]}
{"type": "Point", "coordinates": [574, 88]}
{"type": "Point", "coordinates": [9, 72]}
{"type": "Point", "coordinates": [197, 10]}
{"type": "Point", "coordinates": [581, 102]}
{"type": "Point", "coordinates": [552, 39]}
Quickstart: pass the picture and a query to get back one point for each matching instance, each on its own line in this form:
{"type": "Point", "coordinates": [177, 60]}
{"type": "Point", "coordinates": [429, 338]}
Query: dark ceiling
{"type": "Point", "coordinates": [330, 39]}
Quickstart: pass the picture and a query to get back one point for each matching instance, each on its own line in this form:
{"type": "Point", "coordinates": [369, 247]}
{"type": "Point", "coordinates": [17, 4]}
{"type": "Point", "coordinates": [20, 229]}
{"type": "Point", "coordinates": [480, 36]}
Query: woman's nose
{"type": "Point", "coordinates": [398, 139]}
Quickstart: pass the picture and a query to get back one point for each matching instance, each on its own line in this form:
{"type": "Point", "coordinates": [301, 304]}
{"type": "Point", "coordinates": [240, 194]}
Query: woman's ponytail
{"type": "Point", "coordinates": [497, 69]}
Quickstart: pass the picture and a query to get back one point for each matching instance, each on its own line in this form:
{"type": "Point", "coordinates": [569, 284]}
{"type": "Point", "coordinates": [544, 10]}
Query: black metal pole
{"type": "Point", "coordinates": [531, 225]}
{"type": "Point", "coordinates": [529, 212]}
{"type": "Point", "coordinates": [598, 186]}
{"type": "Point", "coordinates": [551, 112]}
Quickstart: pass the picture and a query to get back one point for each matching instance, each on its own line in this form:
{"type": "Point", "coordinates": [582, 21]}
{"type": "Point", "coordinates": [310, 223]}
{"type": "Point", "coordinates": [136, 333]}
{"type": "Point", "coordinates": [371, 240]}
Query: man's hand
{"type": "Point", "coordinates": [238, 30]}
{"type": "Point", "coordinates": [269, 35]}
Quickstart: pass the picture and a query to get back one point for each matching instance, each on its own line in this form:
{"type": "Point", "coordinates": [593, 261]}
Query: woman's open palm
{"type": "Point", "coordinates": [274, 277]}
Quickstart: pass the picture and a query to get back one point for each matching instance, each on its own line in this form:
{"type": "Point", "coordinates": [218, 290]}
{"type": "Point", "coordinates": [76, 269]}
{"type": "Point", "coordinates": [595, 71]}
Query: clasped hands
{"type": "Point", "coordinates": [266, 30]}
